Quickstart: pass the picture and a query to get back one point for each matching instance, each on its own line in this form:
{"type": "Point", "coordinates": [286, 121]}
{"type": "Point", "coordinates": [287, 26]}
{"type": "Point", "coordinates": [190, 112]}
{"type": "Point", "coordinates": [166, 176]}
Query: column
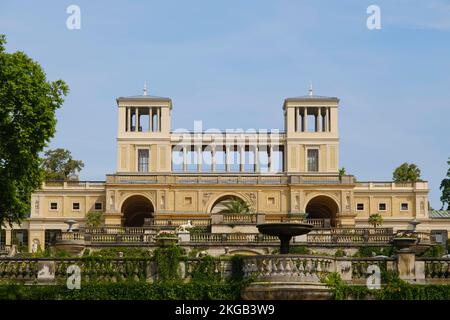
{"type": "Point", "coordinates": [158, 121]}
{"type": "Point", "coordinates": [199, 158]}
{"type": "Point", "coordinates": [128, 127]}
{"type": "Point", "coordinates": [8, 237]}
{"type": "Point", "coordinates": [150, 120]}
{"type": "Point", "coordinates": [242, 158]}
{"type": "Point", "coordinates": [269, 155]}
{"type": "Point", "coordinates": [213, 159]}
{"type": "Point", "coordinates": [319, 119]}
{"type": "Point", "coordinates": [326, 120]}
{"type": "Point", "coordinates": [184, 159]}
{"type": "Point", "coordinates": [227, 158]}
{"type": "Point", "coordinates": [305, 119]}
{"type": "Point", "coordinates": [298, 119]}
{"type": "Point", "coordinates": [256, 158]}
{"type": "Point", "coordinates": [137, 120]}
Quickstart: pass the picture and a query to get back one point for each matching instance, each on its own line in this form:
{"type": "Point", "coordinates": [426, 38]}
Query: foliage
{"type": "Point", "coordinates": [235, 205]}
{"type": "Point", "coordinates": [406, 234]}
{"type": "Point", "coordinates": [237, 264]}
{"type": "Point", "coordinates": [205, 270]}
{"type": "Point", "coordinates": [125, 291]}
{"type": "Point", "coordinates": [375, 220]}
{"type": "Point", "coordinates": [393, 288]}
{"type": "Point", "coordinates": [341, 173]}
{"type": "Point", "coordinates": [115, 252]}
{"type": "Point", "coordinates": [445, 187]}
{"type": "Point", "coordinates": [299, 250]}
{"type": "Point", "coordinates": [435, 251]}
{"type": "Point", "coordinates": [94, 219]}
{"type": "Point", "coordinates": [166, 234]}
{"type": "Point", "coordinates": [406, 173]}
{"type": "Point", "coordinates": [58, 164]}
{"type": "Point", "coordinates": [365, 252]}
{"type": "Point", "coordinates": [167, 262]}
{"type": "Point", "coordinates": [27, 122]}
{"type": "Point", "coordinates": [340, 253]}
{"type": "Point", "coordinates": [199, 230]}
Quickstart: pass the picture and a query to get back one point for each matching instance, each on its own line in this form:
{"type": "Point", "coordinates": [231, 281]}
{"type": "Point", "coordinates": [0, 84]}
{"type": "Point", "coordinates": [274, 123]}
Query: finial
{"type": "Point", "coordinates": [145, 88]}
{"type": "Point", "coordinates": [310, 91]}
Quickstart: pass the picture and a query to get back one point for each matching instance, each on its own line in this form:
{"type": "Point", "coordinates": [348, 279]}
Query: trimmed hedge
{"type": "Point", "coordinates": [124, 291]}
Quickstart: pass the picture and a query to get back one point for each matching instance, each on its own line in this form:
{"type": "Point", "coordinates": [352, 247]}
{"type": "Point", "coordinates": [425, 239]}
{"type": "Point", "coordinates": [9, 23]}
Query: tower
{"type": "Point", "coordinates": [312, 139]}
{"type": "Point", "coordinates": [143, 137]}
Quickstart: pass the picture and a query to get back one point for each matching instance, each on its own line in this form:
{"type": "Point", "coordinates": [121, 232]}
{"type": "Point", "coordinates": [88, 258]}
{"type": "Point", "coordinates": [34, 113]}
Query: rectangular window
{"type": "Point", "coordinates": [50, 236]}
{"type": "Point", "coordinates": [143, 160]}
{"type": "Point", "coordinates": [98, 206]}
{"type": "Point", "coordinates": [53, 206]}
{"type": "Point", "coordinates": [76, 206]}
{"type": "Point", "coordinates": [20, 237]}
{"type": "Point", "coordinates": [360, 206]}
{"type": "Point", "coordinates": [270, 201]}
{"type": "Point", "coordinates": [187, 201]}
{"type": "Point", "coordinates": [313, 160]}
{"type": "Point", "coordinates": [382, 206]}
{"type": "Point", "coordinates": [404, 206]}
{"type": "Point", "coordinates": [2, 236]}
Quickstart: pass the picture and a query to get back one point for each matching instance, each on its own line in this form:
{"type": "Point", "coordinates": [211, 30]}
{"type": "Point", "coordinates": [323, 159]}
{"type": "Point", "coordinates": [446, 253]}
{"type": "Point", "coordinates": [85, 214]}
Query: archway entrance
{"type": "Point", "coordinates": [135, 209]}
{"type": "Point", "coordinates": [229, 203]}
{"type": "Point", "coordinates": [322, 207]}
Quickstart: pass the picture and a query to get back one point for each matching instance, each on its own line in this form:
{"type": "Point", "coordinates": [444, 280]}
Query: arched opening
{"type": "Point", "coordinates": [323, 207]}
{"type": "Point", "coordinates": [229, 203]}
{"type": "Point", "coordinates": [135, 209]}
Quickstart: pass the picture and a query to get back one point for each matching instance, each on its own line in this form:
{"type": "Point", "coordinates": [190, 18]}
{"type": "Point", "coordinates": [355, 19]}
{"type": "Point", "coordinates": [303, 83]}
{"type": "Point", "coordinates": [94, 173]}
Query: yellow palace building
{"type": "Point", "coordinates": [167, 177]}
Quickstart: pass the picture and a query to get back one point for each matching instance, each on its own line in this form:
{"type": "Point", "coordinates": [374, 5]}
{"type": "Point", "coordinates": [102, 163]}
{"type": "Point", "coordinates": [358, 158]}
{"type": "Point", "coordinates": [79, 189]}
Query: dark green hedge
{"type": "Point", "coordinates": [124, 291]}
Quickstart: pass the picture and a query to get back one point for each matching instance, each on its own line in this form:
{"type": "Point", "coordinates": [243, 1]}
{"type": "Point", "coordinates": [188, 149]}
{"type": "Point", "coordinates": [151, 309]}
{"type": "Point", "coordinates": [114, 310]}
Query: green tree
{"type": "Point", "coordinates": [407, 173]}
{"type": "Point", "coordinates": [59, 165]}
{"type": "Point", "coordinates": [341, 173]}
{"type": "Point", "coordinates": [94, 219]}
{"type": "Point", "coordinates": [235, 205]}
{"type": "Point", "coordinates": [375, 220]}
{"type": "Point", "coordinates": [27, 122]}
{"type": "Point", "coordinates": [445, 187]}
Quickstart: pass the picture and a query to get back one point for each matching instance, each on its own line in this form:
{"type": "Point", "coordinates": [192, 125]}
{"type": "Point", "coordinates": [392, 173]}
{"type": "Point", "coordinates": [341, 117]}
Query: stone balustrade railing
{"type": "Point", "coordinates": [231, 237]}
{"type": "Point", "coordinates": [437, 268]}
{"type": "Point", "coordinates": [288, 268]}
{"type": "Point", "coordinates": [71, 236]}
{"type": "Point", "coordinates": [114, 230]}
{"type": "Point", "coordinates": [4, 249]}
{"type": "Point", "coordinates": [98, 238]}
{"type": "Point", "coordinates": [351, 236]}
{"type": "Point", "coordinates": [113, 269]}
{"type": "Point", "coordinates": [240, 218]}
{"type": "Point", "coordinates": [167, 222]}
{"type": "Point", "coordinates": [360, 266]}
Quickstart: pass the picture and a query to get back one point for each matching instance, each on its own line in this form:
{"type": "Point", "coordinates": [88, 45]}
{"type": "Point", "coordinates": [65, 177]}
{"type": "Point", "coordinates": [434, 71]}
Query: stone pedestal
{"type": "Point", "coordinates": [406, 265]}
{"type": "Point", "coordinates": [184, 236]}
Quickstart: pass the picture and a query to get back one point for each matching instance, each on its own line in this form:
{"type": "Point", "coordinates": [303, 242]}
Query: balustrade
{"type": "Point", "coordinates": [288, 268]}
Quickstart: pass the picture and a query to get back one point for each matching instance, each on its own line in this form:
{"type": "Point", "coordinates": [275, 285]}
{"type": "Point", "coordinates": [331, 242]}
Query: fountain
{"type": "Point", "coordinates": [286, 276]}
{"type": "Point", "coordinates": [284, 231]}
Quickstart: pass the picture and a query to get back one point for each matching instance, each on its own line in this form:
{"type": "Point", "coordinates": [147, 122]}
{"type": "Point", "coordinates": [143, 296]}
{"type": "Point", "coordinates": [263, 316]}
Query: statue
{"type": "Point", "coordinates": [184, 227]}
{"type": "Point", "coordinates": [35, 246]}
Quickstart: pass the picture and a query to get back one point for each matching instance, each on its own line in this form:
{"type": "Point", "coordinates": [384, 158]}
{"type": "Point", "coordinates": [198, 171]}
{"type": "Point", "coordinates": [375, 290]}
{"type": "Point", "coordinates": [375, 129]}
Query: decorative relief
{"type": "Point", "coordinates": [297, 202]}
{"type": "Point", "coordinates": [252, 197]}
{"type": "Point", "coordinates": [206, 197]}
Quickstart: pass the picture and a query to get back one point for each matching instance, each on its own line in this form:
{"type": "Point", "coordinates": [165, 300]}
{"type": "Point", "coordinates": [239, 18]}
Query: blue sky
{"type": "Point", "coordinates": [218, 58]}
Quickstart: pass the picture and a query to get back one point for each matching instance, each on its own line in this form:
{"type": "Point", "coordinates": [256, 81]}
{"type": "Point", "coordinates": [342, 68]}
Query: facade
{"type": "Point", "coordinates": [163, 175]}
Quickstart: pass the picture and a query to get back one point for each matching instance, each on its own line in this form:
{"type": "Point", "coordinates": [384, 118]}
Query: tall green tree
{"type": "Point", "coordinates": [445, 187]}
{"type": "Point", "coordinates": [27, 122]}
{"type": "Point", "coordinates": [407, 173]}
{"type": "Point", "coordinates": [235, 205]}
{"type": "Point", "coordinates": [58, 164]}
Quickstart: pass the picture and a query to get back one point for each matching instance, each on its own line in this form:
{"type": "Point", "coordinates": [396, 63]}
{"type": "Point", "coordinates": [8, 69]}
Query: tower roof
{"type": "Point", "coordinates": [312, 98]}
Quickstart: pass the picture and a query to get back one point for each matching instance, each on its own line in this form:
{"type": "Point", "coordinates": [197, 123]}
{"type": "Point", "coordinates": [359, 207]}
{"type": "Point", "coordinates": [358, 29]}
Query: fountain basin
{"type": "Point", "coordinates": [285, 231]}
